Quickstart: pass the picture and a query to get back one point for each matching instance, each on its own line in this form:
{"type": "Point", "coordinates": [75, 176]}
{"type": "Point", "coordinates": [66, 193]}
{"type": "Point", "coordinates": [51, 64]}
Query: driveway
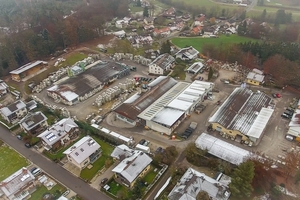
{"type": "Point", "coordinates": [56, 171]}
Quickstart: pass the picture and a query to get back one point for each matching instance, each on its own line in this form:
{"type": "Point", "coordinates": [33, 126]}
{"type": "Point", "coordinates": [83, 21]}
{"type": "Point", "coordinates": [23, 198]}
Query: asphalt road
{"type": "Point", "coordinates": [60, 174]}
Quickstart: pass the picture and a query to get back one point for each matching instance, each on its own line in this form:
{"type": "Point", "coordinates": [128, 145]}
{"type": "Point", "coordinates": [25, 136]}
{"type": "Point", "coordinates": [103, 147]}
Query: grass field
{"type": "Point", "coordinates": [10, 162]}
{"type": "Point", "coordinates": [198, 42]}
{"type": "Point", "coordinates": [41, 190]}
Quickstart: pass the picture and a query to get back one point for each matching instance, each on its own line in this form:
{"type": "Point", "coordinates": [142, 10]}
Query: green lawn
{"type": "Point", "coordinates": [133, 8]}
{"type": "Point", "coordinates": [88, 174]}
{"type": "Point", "coordinates": [72, 59]}
{"type": "Point", "coordinates": [151, 175]}
{"type": "Point", "coordinates": [179, 71]}
{"type": "Point", "coordinates": [198, 42]}
{"type": "Point", "coordinates": [57, 190]}
{"type": "Point", "coordinates": [10, 162]}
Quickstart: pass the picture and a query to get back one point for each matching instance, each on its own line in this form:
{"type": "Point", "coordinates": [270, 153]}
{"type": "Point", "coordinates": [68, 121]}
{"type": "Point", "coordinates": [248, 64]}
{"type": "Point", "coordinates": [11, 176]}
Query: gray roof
{"type": "Point", "coordinates": [240, 109]}
{"type": "Point", "coordinates": [255, 76]}
{"type": "Point", "coordinates": [163, 61]}
{"type": "Point", "coordinates": [192, 182]}
{"type": "Point", "coordinates": [131, 167]}
{"type": "Point", "coordinates": [27, 67]}
{"type": "Point", "coordinates": [121, 151]}
{"type": "Point", "coordinates": [195, 67]}
{"type": "Point", "coordinates": [189, 52]}
{"type": "Point", "coordinates": [12, 108]}
{"type": "Point", "coordinates": [57, 131]}
{"type": "Point", "coordinates": [16, 182]}
{"type": "Point", "coordinates": [31, 120]}
{"type": "Point", "coordinates": [82, 149]}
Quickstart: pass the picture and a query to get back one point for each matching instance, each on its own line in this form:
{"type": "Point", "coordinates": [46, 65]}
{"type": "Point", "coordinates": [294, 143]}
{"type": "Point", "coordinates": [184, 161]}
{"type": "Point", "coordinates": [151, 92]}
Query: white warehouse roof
{"type": "Point", "coordinates": [222, 149]}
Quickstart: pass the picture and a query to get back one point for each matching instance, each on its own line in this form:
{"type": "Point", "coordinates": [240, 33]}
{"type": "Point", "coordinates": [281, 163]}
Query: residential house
{"type": "Point", "coordinates": [30, 105]}
{"type": "Point", "coordinates": [161, 64]}
{"type": "Point", "coordinates": [186, 17]}
{"type": "Point", "coordinates": [83, 152]}
{"type": "Point", "coordinates": [123, 23]}
{"type": "Point", "coordinates": [256, 77]}
{"type": "Point", "coordinates": [162, 32]}
{"type": "Point", "coordinates": [139, 41]}
{"type": "Point", "coordinates": [14, 111]}
{"type": "Point", "coordinates": [59, 134]}
{"type": "Point", "coordinates": [195, 68]}
{"type": "Point", "coordinates": [148, 20]}
{"type": "Point", "coordinates": [148, 27]}
{"type": "Point", "coordinates": [188, 53]}
{"type": "Point", "coordinates": [199, 21]}
{"type": "Point", "coordinates": [18, 186]}
{"type": "Point", "coordinates": [243, 115]}
{"type": "Point", "coordinates": [4, 89]}
{"type": "Point", "coordinates": [34, 123]}
{"type": "Point", "coordinates": [193, 182]}
{"type": "Point", "coordinates": [29, 69]}
{"type": "Point", "coordinates": [169, 13]}
{"type": "Point", "coordinates": [133, 164]}
{"type": "Point", "coordinates": [197, 30]}
{"type": "Point", "coordinates": [120, 34]}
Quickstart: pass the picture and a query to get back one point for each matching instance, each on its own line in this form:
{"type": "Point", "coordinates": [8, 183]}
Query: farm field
{"type": "Point", "coordinates": [10, 161]}
{"type": "Point", "coordinates": [198, 42]}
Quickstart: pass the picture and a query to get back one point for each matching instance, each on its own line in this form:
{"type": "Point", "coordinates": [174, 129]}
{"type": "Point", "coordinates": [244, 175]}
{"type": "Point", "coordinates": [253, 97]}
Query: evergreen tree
{"type": "Point", "coordinates": [165, 47]}
{"type": "Point", "coordinates": [138, 3]}
{"type": "Point", "coordinates": [146, 12]}
{"type": "Point", "coordinates": [264, 15]}
{"type": "Point", "coordinates": [241, 181]}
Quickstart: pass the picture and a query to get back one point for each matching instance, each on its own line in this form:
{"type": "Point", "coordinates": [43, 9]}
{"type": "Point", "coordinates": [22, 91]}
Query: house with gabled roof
{"type": "Point", "coordinates": [169, 13]}
{"type": "Point", "coordinates": [13, 112]}
{"type": "Point", "coordinates": [188, 53]}
{"type": "Point", "coordinates": [4, 89]}
{"type": "Point", "coordinates": [161, 64]}
{"type": "Point", "coordinates": [34, 123]}
{"type": "Point", "coordinates": [84, 152]}
{"type": "Point", "coordinates": [193, 182]}
{"type": "Point", "coordinates": [255, 77]}
{"type": "Point", "coordinates": [19, 185]}
{"type": "Point", "coordinates": [135, 165]}
{"type": "Point", "coordinates": [162, 32]}
{"type": "Point", "coordinates": [59, 134]}
{"type": "Point", "coordinates": [243, 115]}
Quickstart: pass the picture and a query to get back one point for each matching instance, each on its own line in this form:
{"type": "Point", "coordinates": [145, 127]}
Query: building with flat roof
{"type": "Point", "coordinates": [87, 83]}
{"type": "Point", "coordinates": [27, 70]}
{"type": "Point", "coordinates": [243, 115]}
{"type": "Point", "coordinates": [59, 134]}
{"type": "Point", "coordinates": [34, 123]}
{"type": "Point", "coordinates": [193, 182]}
{"type": "Point", "coordinates": [294, 125]}
{"type": "Point", "coordinates": [195, 68]}
{"type": "Point", "coordinates": [13, 112]}
{"type": "Point", "coordinates": [19, 185]}
{"type": "Point", "coordinates": [83, 152]}
{"type": "Point", "coordinates": [133, 164]}
{"type": "Point", "coordinates": [161, 64]}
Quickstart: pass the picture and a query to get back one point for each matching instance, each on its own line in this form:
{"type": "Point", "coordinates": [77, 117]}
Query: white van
{"type": "Point", "coordinates": [36, 172]}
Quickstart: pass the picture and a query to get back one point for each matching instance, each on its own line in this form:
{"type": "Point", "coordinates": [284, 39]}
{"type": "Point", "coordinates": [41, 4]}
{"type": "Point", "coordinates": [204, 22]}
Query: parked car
{"type": "Point", "coordinates": [142, 141]}
{"type": "Point", "coordinates": [27, 145]}
{"type": "Point", "coordinates": [32, 170]}
{"type": "Point", "coordinates": [283, 115]}
{"type": "Point", "coordinates": [289, 137]}
{"type": "Point", "coordinates": [66, 193]}
{"type": "Point", "coordinates": [103, 181]}
{"type": "Point", "coordinates": [159, 149]}
{"type": "Point", "coordinates": [278, 95]}
{"type": "Point", "coordinates": [19, 137]}
{"type": "Point", "coordinates": [274, 95]}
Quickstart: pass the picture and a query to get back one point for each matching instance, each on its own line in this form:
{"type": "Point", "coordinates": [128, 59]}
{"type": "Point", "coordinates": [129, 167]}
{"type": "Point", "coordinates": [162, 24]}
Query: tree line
{"type": "Point", "coordinates": [43, 28]}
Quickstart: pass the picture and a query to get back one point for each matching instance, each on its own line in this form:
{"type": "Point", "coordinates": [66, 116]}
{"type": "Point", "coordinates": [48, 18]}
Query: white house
{"type": "Point", "coordinates": [161, 64]}
{"type": "Point", "coordinates": [195, 68]}
{"type": "Point", "coordinates": [14, 111]}
{"type": "Point", "coordinates": [18, 186]}
{"type": "Point", "coordinates": [188, 53]}
{"type": "Point", "coordinates": [83, 152]}
{"type": "Point", "coordinates": [59, 134]}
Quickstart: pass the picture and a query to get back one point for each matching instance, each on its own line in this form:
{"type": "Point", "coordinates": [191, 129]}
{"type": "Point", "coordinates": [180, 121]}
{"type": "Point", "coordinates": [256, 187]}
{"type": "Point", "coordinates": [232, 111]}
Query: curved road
{"type": "Point", "coordinates": [80, 187]}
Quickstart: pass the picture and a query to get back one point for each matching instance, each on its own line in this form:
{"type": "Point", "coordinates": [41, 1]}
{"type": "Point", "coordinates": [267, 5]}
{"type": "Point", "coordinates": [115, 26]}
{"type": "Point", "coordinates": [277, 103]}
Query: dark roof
{"type": "Point", "coordinates": [92, 78]}
{"type": "Point", "coordinates": [133, 109]}
{"type": "Point", "coordinates": [240, 109]}
{"type": "Point", "coordinates": [33, 119]}
{"type": "Point", "coordinates": [163, 61]}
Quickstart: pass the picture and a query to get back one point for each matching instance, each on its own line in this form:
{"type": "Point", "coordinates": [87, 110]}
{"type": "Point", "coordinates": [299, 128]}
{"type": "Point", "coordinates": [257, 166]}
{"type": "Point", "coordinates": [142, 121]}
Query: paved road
{"type": "Point", "coordinates": [53, 169]}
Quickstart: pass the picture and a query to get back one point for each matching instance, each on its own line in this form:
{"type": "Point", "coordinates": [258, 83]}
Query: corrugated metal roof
{"type": "Point", "coordinates": [240, 109]}
{"type": "Point", "coordinates": [168, 116]}
{"type": "Point", "coordinates": [221, 149]}
{"type": "Point", "coordinates": [27, 67]}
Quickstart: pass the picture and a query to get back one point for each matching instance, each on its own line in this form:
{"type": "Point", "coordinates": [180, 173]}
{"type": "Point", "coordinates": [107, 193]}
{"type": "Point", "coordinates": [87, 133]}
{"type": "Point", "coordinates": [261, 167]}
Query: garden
{"type": "Point", "coordinates": [41, 191]}
{"type": "Point", "coordinates": [10, 161]}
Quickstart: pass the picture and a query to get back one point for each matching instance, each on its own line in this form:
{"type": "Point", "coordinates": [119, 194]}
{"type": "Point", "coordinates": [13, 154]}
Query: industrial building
{"type": "Point", "coordinates": [27, 70]}
{"type": "Point", "coordinates": [86, 84]}
{"type": "Point", "coordinates": [243, 116]}
{"type": "Point", "coordinates": [164, 104]}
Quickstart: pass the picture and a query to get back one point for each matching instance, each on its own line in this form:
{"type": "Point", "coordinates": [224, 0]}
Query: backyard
{"type": "Point", "coordinates": [198, 42]}
{"type": "Point", "coordinates": [56, 191]}
{"type": "Point", "coordinates": [104, 160]}
{"type": "Point", "coordinates": [10, 161]}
